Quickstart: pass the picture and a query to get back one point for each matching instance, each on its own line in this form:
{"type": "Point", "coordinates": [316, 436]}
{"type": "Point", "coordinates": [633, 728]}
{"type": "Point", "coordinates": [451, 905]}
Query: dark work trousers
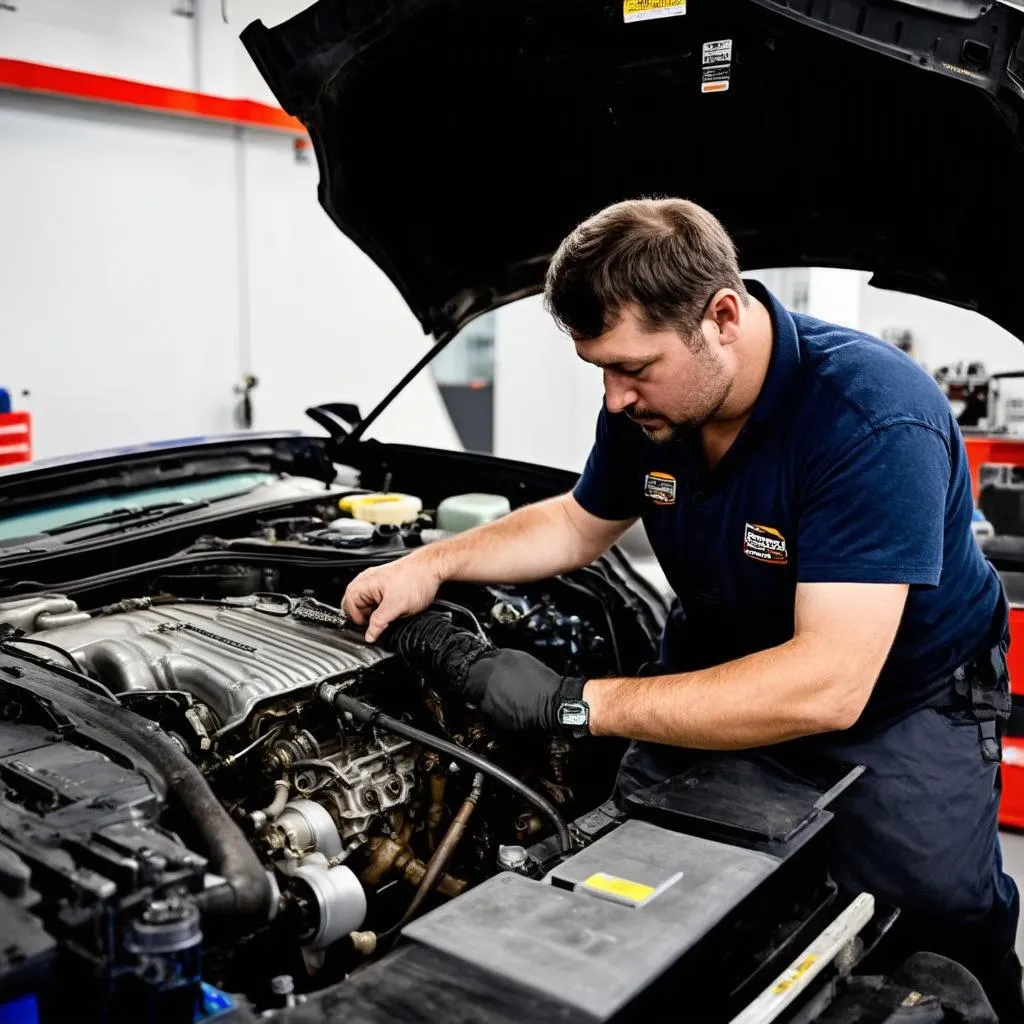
{"type": "Point", "coordinates": [918, 830]}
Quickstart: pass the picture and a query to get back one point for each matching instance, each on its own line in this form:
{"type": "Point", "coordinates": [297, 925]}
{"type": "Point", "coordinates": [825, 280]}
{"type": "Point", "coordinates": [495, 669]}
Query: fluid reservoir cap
{"type": "Point", "coordinates": [380, 507]}
{"type": "Point", "coordinates": [165, 926]}
{"type": "Point", "coordinates": [511, 858]}
{"type": "Point", "coordinates": [464, 511]}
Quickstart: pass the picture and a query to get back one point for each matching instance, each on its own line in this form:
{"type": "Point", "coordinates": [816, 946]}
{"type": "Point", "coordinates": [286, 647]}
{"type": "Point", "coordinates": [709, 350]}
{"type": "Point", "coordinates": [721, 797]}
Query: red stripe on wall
{"type": "Point", "coordinates": [23, 76]}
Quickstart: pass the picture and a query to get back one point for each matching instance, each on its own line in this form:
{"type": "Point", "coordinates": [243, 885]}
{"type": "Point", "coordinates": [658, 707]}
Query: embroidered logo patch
{"type": "Point", "coordinates": [765, 544]}
{"type": "Point", "coordinates": [660, 488]}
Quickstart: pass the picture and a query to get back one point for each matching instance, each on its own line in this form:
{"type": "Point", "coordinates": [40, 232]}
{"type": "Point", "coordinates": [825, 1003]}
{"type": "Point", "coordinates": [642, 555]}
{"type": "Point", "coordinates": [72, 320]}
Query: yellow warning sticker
{"type": "Point", "coordinates": [794, 974]}
{"type": "Point", "coordinates": [618, 888]}
{"type": "Point", "coordinates": [648, 10]}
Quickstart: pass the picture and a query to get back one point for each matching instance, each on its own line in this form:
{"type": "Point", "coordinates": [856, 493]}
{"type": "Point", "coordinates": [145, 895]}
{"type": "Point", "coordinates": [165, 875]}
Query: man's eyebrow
{"type": "Point", "coordinates": [622, 363]}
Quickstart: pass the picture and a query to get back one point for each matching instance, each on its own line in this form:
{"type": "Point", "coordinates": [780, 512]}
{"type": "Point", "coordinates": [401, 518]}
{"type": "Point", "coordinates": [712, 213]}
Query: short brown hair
{"type": "Point", "coordinates": [668, 257]}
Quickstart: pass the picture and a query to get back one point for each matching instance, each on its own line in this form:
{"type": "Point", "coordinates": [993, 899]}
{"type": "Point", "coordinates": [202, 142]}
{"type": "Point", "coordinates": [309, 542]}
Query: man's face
{"type": "Point", "coordinates": [664, 383]}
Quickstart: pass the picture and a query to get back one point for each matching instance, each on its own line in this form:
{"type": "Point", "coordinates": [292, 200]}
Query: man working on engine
{"type": "Point", "coordinates": [806, 491]}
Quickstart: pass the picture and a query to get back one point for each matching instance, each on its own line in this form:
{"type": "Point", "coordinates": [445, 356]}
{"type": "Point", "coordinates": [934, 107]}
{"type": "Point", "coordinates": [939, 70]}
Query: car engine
{"type": "Point", "coordinates": [218, 802]}
{"type": "Point", "coordinates": [352, 824]}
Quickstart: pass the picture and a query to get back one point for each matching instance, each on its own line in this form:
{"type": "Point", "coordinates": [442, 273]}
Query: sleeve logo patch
{"type": "Point", "coordinates": [765, 544]}
{"type": "Point", "coordinates": [660, 488]}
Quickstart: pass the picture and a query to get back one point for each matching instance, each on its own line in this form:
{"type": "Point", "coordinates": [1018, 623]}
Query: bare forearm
{"type": "Point", "coordinates": [531, 543]}
{"type": "Point", "coordinates": [775, 695]}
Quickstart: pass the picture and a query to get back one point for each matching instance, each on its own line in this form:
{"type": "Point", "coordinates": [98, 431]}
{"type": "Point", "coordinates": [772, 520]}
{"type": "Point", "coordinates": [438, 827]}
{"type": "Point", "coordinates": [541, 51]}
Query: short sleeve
{"type": "Point", "coordinates": [876, 513]}
{"type": "Point", "coordinates": [608, 487]}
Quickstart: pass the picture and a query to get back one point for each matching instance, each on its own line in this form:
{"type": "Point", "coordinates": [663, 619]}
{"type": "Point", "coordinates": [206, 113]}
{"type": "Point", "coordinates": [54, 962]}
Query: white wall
{"type": "Point", "coordinates": [117, 264]}
{"type": "Point", "coordinates": [325, 324]}
{"type": "Point", "coordinates": [942, 334]}
{"type": "Point", "coordinates": [181, 44]}
{"type": "Point", "coordinates": [138, 39]}
{"type": "Point", "coordinates": [546, 399]}
{"type": "Point", "coordinates": [147, 263]}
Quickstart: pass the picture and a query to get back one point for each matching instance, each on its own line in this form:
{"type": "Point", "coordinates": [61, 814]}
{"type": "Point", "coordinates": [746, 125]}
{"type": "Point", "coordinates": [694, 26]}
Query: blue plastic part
{"type": "Point", "coordinates": [215, 1003]}
{"type": "Point", "coordinates": [20, 1011]}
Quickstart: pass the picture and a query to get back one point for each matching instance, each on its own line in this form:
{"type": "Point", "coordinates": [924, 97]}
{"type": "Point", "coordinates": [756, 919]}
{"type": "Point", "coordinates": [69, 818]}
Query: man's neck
{"type": "Point", "coordinates": [753, 353]}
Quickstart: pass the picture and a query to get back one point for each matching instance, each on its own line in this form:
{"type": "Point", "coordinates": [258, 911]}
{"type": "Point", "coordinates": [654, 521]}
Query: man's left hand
{"type": "Point", "coordinates": [515, 690]}
{"type": "Point", "coordinates": [518, 692]}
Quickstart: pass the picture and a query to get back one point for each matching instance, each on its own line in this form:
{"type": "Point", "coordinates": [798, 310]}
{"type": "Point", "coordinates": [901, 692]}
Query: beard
{"type": "Point", "coordinates": [705, 403]}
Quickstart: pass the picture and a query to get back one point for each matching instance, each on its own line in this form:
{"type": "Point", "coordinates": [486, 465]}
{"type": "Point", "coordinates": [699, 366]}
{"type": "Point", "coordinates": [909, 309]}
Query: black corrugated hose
{"type": "Point", "coordinates": [245, 896]}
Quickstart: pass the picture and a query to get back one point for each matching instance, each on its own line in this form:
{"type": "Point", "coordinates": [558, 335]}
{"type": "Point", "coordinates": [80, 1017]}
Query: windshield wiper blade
{"type": "Point", "coordinates": [129, 514]}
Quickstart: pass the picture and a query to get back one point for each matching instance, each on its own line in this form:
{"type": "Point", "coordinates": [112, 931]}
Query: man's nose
{"type": "Point", "coordinates": [618, 394]}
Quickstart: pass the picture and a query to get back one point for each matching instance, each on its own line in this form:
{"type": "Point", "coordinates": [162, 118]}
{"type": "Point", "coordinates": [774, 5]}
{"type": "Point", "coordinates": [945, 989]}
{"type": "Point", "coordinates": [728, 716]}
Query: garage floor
{"type": "Point", "coordinates": [1013, 861]}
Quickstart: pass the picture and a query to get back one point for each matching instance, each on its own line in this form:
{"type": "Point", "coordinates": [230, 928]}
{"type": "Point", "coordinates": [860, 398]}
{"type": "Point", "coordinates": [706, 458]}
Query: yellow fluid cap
{"type": "Point", "coordinates": [380, 508]}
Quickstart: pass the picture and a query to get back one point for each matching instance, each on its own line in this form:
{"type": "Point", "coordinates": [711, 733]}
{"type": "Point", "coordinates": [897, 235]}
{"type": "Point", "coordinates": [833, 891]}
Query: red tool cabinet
{"type": "Point", "coordinates": [1011, 808]}
{"type": "Point", "coordinates": [15, 438]}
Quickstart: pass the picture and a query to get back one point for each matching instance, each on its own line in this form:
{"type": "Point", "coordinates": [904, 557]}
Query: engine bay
{"type": "Point", "coordinates": [234, 667]}
{"type": "Point", "coordinates": [218, 801]}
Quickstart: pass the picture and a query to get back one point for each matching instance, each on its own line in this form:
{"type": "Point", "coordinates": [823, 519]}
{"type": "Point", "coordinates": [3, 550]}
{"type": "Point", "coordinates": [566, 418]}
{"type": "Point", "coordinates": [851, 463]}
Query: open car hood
{"type": "Point", "coordinates": [459, 141]}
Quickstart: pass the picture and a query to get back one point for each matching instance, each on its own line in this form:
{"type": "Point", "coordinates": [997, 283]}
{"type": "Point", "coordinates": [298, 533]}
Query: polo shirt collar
{"type": "Point", "coordinates": [784, 365]}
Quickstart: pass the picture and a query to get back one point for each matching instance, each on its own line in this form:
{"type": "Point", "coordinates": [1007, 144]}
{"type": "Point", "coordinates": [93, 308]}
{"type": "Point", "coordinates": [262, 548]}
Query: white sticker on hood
{"type": "Point", "coordinates": [717, 51]}
{"type": "Point", "coordinates": [716, 65]}
{"type": "Point", "coordinates": [648, 10]}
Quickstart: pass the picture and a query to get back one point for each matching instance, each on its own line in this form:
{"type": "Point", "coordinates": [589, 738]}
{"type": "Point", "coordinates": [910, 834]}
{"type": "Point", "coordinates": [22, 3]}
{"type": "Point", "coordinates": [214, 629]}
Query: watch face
{"type": "Point", "coordinates": [573, 713]}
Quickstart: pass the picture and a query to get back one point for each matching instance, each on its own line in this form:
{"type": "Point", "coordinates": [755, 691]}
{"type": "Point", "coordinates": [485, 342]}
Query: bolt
{"type": "Point", "coordinates": [511, 858]}
{"type": "Point", "coordinates": [282, 985]}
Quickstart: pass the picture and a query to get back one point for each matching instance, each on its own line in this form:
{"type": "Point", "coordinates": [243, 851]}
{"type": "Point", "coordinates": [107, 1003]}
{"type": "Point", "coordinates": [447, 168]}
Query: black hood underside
{"type": "Point", "coordinates": [459, 141]}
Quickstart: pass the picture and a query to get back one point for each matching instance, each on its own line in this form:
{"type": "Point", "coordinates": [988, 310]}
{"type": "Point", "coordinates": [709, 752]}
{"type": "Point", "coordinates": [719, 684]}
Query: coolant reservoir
{"type": "Point", "coordinates": [382, 508]}
{"type": "Point", "coordinates": [464, 511]}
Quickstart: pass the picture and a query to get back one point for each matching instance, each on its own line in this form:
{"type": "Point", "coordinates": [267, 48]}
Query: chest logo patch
{"type": "Point", "coordinates": [765, 544]}
{"type": "Point", "coordinates": [660, 488]}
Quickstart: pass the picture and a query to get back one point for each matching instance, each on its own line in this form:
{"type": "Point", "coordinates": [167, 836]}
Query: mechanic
{"type": "Point", "coordinates": [806, 490]}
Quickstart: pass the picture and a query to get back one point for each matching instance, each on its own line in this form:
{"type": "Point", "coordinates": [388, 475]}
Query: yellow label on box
{"type": "Point", "coordinates": [791, 977]}
{"type": "Point", "coordinates": [622, 888]}
{"type": "Point", "coordinates": [648, 10]}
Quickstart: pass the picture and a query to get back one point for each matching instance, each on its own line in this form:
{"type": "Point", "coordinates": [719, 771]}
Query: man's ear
{"type": "Point", "coordinates": [726, 310]}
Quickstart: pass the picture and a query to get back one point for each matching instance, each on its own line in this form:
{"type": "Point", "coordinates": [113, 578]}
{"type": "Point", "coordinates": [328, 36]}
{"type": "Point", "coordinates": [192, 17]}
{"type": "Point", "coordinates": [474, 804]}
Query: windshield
{"type": "Point", "coordinates": [63, 514]}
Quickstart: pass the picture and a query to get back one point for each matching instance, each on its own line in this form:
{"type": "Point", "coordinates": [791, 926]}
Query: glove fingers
{"type": "Point", "coordinates": [432, 643]}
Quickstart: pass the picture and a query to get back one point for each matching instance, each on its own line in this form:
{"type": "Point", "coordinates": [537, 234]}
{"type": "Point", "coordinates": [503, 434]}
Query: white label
{"type": "Point", "coordinates": [716, 65]}
{"type": "Point", "coordinates": [718, 51]}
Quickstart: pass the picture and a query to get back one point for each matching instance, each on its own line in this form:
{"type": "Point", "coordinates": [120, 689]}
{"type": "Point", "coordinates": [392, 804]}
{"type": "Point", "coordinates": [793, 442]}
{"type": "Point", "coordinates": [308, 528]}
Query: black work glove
{"type": "Point", "coordinates": [515, 690]}
{"type": "Point", "coordinates": [518, 692]}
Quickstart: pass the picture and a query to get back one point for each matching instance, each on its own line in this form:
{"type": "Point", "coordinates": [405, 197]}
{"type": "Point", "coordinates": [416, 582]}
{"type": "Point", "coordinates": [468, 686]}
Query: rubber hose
{"type": "Point", "coordinates": [332, 694]}
{"type": "Point", "coordinates": [246, 894]}
{"type": "Point", "coordinates": [442, 854]}
{"type": "Point", "coordinates": [282, 789]}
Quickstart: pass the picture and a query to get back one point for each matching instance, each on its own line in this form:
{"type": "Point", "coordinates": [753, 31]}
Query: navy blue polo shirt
{"type": "Point", "coordinates": [850, 468]}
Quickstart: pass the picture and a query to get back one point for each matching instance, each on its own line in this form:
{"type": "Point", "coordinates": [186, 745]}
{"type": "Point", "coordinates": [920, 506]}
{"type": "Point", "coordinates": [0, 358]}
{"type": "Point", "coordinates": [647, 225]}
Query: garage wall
{"type": "Point", "coordinates": [546, 399]}
{"type": "Point", "coordinates": [181, 44]}
{"type": "Point", "coordinates": [148, 263]}
{"type": "Point", "coordinates": [942, 334]}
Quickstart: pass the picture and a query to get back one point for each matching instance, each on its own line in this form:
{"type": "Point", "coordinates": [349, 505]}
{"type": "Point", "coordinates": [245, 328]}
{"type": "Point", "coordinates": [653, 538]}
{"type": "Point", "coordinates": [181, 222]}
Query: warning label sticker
{"type": "Point", "coordinates": [718, 51]}
{"type": "Point", "coordinates": [716, 65]}
{"type": "Point", "coordinates": [648, 10]}
{"type": "Point", "coordinates": [714, 80]}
